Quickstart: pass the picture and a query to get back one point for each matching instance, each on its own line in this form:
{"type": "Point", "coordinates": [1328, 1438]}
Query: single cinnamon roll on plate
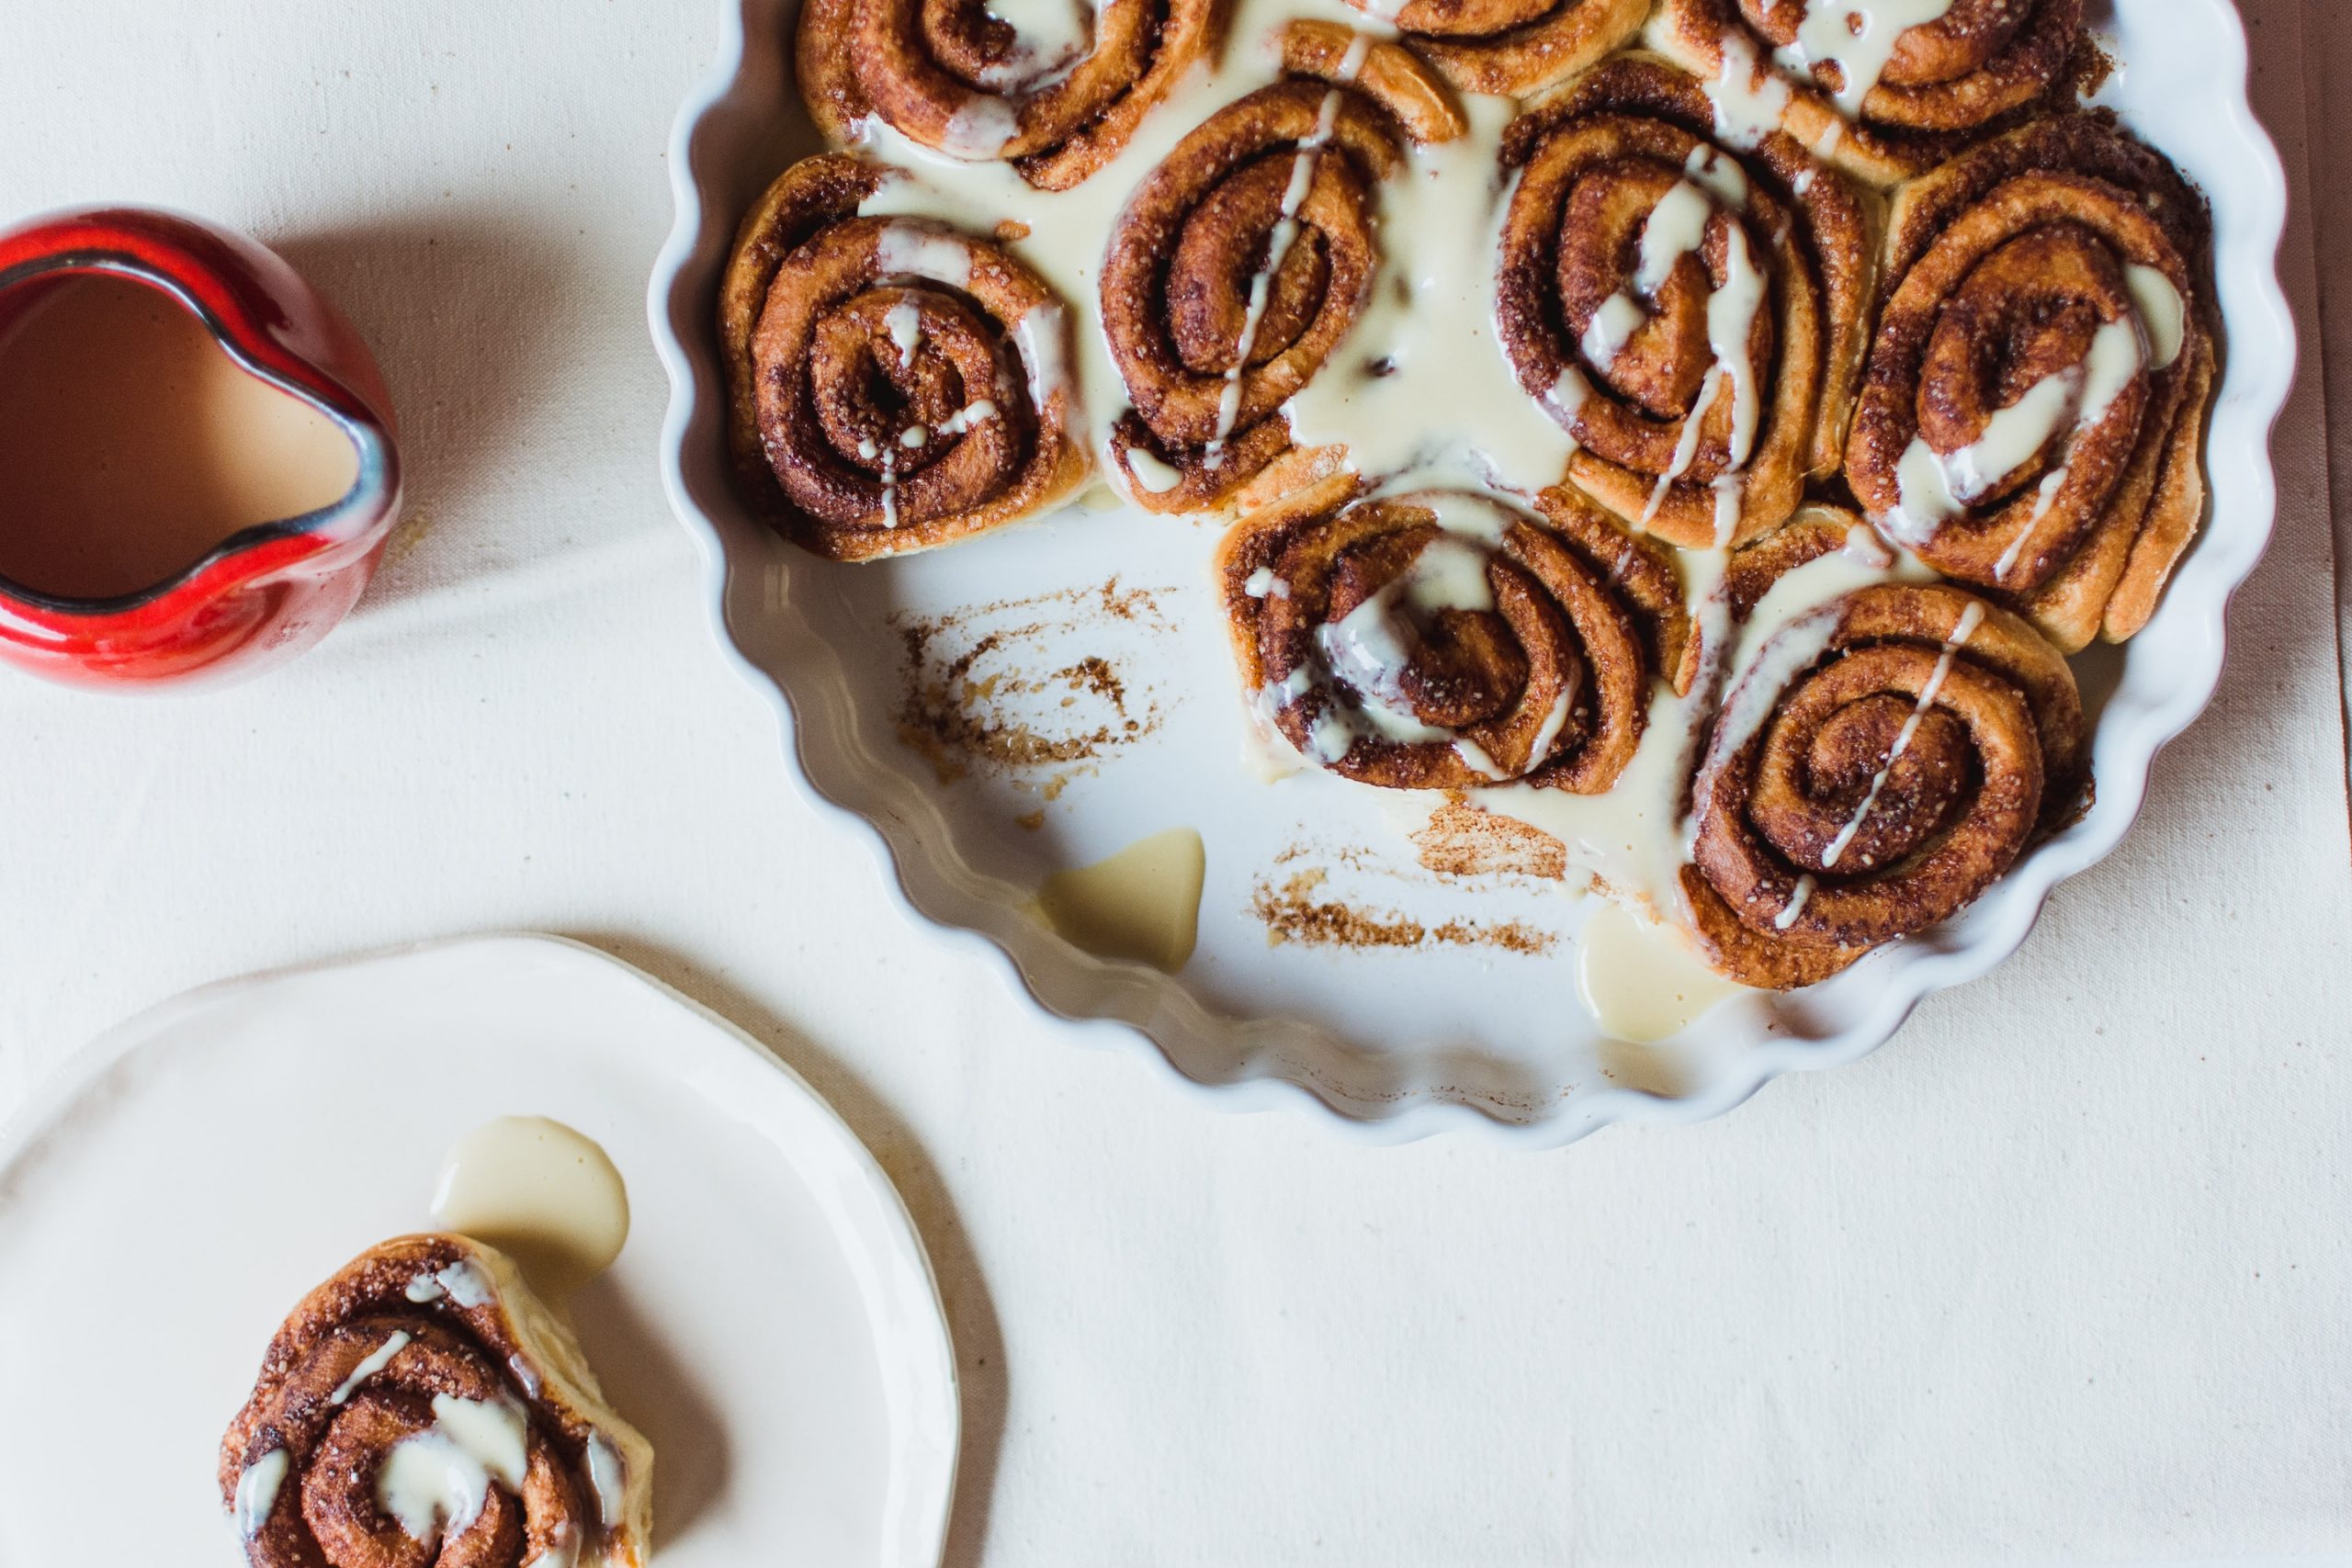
{"type": "Point", "coordinates": [1245, 257]}
{"type": "Point", "coordinates": [423, 1406]}
{"type": "Point", "coordinates": [1448, 640]}
{"type": "Point", "coordinates": [1692, 313]}
{"type": "Point", "coordinates": [1884, 89]}
{"type": "Point", "coordinates": [2033, 415]}
{"type": "Point", "coordinates": [1880, 763]}
{"type": "Point", "coordinates": [1058, 95]}
{"type": "Point", "coordinates": [894, 384]}
{"type": "Point", "coordinates": [1510, 48]}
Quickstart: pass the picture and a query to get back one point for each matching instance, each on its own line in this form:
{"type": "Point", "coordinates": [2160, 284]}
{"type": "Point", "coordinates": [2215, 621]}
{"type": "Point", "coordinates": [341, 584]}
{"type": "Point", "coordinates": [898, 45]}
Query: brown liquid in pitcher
{"type": "Point", "coordinates": [132, 445]}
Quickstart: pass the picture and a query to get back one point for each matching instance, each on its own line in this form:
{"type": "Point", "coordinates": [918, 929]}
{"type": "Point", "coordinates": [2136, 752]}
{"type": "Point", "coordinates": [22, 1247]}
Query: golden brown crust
{"type": "Point", "coordinates": [952, 77]}
{"type": "Point", "coordinates": [1511, 48]}
{"type": "Point", "coordinates": [1984, 64]}
{"type": "Point", "coordinates": [1881, 787]}
{"type": "Point", "coordinates": [1208, 376]}
{"type": "Point", "coordinates": [356, 1369]}
{"type": "Point", "coordinates": [1483, 646]}
{"type": "Point", "coordinates": [1596, 161]}
{"type": "Point", "coordinates": [893, 385]}
{"type": "Point", "coordinates": [2005, 268]}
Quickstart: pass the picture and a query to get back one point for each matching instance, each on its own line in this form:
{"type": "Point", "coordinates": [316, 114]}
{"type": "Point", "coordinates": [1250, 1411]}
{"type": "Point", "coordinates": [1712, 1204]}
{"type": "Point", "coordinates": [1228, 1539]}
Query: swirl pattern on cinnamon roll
{"type": "Point", "coordinates": [1446, 640]}
{"type": "Point", "coordinates": [893, 385]}
{"type": "Point", "coordinates": [1057, 94]}
{"type": "Point", "coordinates": [2033, 415]}
{"type": "Point", "coordinates": [1244, 258]}
{"type": "Point", "coordinates": [1882, 89]}
{"type": "Point", "coordinates": [423, 1407]}
{"type": "Point", "coordinates": [1881, 763]}
{"type": "Point", "coordinates": [1694, 317]}
{"type": "Point", "coordinates": [1510, 48]}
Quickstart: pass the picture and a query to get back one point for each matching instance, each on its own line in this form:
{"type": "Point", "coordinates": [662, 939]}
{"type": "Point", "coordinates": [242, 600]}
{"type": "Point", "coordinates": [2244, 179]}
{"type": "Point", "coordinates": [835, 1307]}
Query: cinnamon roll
{"type": "Point", "coordinates": [893, 385]}
{"type": "Point", "coordinates": [1244, 258]}
{"type": "Point", "coordinates": [1057, 97]}
{"type": "Point", "coordinates": [1510, 48]}
{"type": "Point", "coordinates": [1884, 88]}
{"type": "Point", "coordinates": [2033, 415]}
{"type": "Point", "coordinates": [1879, 765]}
{"type": "Point", "coordinates": [423, 1406]}
{"type": "Point", "coordinates": [1446, 640]}
{"type": "Point", "coordinates": [1692, 314]}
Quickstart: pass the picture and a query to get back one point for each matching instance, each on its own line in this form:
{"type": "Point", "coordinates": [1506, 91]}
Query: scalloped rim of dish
{"type": "Point", "coordinates": [2140, 719]}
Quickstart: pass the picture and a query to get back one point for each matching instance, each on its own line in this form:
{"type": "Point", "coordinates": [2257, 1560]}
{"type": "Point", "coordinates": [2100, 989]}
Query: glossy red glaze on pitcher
{"type": "Point", "coordinates": [268, 591]}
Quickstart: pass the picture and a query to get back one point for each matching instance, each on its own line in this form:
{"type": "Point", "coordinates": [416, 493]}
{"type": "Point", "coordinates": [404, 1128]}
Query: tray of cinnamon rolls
{"type": "Point", "coordinates": [1525, 562]}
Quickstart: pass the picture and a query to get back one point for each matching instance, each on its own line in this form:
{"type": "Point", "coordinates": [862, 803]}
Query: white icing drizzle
{"type": "Point", "coordinates": [1351, 62]}
{"type": "Point", "coordinates": [1858, 37]}
{"type": "Point", "coordinates": [1264, 584]}
{"type": "Point", "coordinates": [1153, 474]}
{"type": "Point", "coordinates": [1731, 317]}
{"type": "Point", "coordinates": [965, 418]}
{"type": "Point", "coordinates": [1686, 448]}
{"type": "Point", "coordinates": [1863, 544]}
{"type": "Point", "coordinates": [1723, 177]}
{"type": "Point", "coordinates": [1731, 499]}
{"type": "Point", "coordinates": [1050, 38]}
{"type": "Point", "coordinates": [466, 1284]}
{"type": "Point", "coordinates": [1277, 248]}
{"type": "Point", "coordinates": [891, 488]}
{"type": "Point", "coordinates": [905, 324]}
{"type": "Point", "coordinates": [1677, 226]}
{"type": "Point", "coordinates": [440, 1478]}
{"type": "Point", "coordinates": [980, 127]}
{"type": "Point", "coordinates": [913, 435]}
{"type": "Point", "coordinates": [376, 1362]}
{"type": "Point", "coordinates": [2051, 484]}
{"type": "Point", "coordinates": [1797, 901]}
{"type": "Point", "coordinates": [1041, 334]}
{"type": "Point", "coordinates": [605, 1478]}
{"type": "Point", "coordinates": [1934, 487]}
{"type": "Point", "coordinates": [257, 1492]}
{"type": "Point", "coordinates": [1970, 619]}
{"type": "Point", "coordinates": [1611, 328]}
{"type": "Point", "coordinates": [425, 1288]}
{"type": "Point", "coordinates": [916, 250]}
{"type": "Point", "coordinates": [1422, 380]}
{"type": "Point", "coordinates": [524, 1373]}
{"type": "Point", "coordinates": [1748, 98]}
{"type": "Point", "coordinates": [866, 448]}
{"type": "Point", "coordinates": [1368, 646]}
{"type": "Point", "coordinates": [2162, 313]}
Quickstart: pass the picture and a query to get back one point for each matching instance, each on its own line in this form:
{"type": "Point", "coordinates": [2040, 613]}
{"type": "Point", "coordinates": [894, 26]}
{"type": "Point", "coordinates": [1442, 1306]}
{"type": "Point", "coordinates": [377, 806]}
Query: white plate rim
{"type": "Point", "coordinates": [2259, 373]}
{"type": "Point", "coordinates": [889, 1258]}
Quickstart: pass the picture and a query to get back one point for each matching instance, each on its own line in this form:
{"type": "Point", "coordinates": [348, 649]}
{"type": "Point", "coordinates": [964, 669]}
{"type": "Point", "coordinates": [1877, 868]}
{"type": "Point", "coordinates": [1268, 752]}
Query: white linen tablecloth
{"type": "Point", "coordinates": [2063, 1274]}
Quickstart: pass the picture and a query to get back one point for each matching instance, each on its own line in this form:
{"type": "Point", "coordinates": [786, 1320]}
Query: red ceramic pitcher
{"type": "Point", "coordinates": [269, 591]}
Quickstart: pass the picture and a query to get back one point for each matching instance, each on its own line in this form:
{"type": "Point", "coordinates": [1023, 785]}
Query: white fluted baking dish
{"type": "Point", "coordinates": [1476, 1028]}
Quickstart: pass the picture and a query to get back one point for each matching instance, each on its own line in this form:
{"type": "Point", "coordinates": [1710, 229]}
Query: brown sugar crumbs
{"type": "Point", "coordinates": [1020, 715]}
{"type": "Point", "coordinates": [1295, 912]}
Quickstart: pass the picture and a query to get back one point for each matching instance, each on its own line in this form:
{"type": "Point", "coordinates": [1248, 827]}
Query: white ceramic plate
{"type": "Point", "coordinates": [772, 1324]}
{"type": "Point", "coordinates": [1400, 1042]}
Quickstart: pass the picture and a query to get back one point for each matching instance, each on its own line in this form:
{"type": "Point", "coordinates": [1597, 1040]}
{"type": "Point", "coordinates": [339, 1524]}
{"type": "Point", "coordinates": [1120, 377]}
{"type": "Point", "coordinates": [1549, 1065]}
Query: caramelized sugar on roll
{"type": "Point", "coordinates": [1244, 258]}
{"type": "Point", "coordinates": [1446, 640]}
{"type": "Point", "coordinates": [1883, 762]}
{"type": "Point", "coordinates": [1884, 88]}
{"type": "Point", "coordinates": [423, 1407]}
{"type": "Point", "coordinates": [1693, 317]}
{"type": "Point", "coordinates": [2034, 410]}
{"type": "Point", "coordinates": [1510, 48]}
{"type": "Point", "coordinates": [1056, 95]}
{"type": "Point", "coordinates": [893, 385]}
